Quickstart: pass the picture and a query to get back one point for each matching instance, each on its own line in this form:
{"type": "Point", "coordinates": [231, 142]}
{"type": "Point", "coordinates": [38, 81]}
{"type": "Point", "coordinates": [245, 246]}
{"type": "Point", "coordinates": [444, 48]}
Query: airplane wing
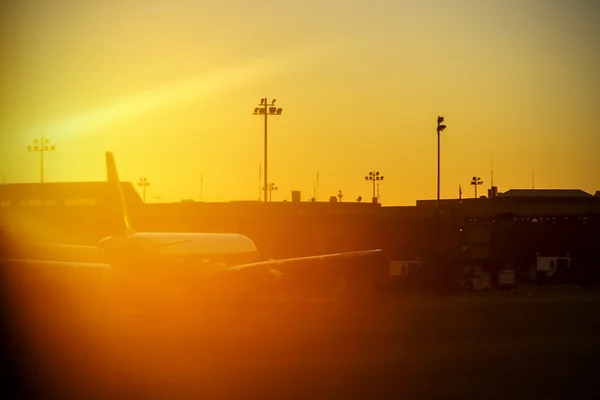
{"type": "Point", "coordinates": [62, 252]}
{"type": "Point", "coordinates": [286, 261]}
{"type": "Point", "coordinates": [46, 263]}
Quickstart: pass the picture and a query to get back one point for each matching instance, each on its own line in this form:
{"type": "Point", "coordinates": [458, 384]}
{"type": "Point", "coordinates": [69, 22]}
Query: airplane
{"type": "Point", "coordinates": [187, 257]}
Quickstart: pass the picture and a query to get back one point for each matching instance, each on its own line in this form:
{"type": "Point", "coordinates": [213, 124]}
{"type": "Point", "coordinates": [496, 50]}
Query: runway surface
{"type": "Point", "coordinates": [490, 345]}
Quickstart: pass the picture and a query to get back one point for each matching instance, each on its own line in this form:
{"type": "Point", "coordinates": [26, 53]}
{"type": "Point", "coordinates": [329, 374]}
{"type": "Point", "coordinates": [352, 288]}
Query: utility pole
{"type": "Point", "coordinates": [144, 183]}
{"type": "Point", "coordinates": [492, 170]}
{"type": "Point", "coordinates": [441, 272]}
{"type": "Point", "coordinates": [259, 179]}
{"type": "Point", "coordinates": [440, 128]}
{"type": "Point", "coordinates": [476, 182]}
{"type": "Point", "coordinates": [265, 108]}
{"type": "Point", "coordinates": [41, 145]}
{"type": "Point", "coordinates": [374, 177]}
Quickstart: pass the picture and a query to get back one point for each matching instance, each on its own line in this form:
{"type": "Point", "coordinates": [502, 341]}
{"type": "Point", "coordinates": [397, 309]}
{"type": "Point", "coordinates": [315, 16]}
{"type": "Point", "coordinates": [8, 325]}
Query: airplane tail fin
{"type": "Point", "coordinates": [124, 227]}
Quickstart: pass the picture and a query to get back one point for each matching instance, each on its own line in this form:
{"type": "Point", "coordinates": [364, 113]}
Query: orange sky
{"type": "Point", "coordinates": [169, 87]}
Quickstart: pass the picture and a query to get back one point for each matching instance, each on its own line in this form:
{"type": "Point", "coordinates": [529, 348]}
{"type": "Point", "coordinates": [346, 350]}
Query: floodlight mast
{"type": "Point", "coordinates": [266, 108]}
{"type": "Point", "coordinates": [440, 128]}
{"type": "Point", "coordinates": [375, 177]}
{"type": "Point", "coordinates": [144, 183]}
{"type": "Point", "coordinates": [270, 189]}
{"type": "Point", "coordinates": [41, 145]}
{"type": "Point", "coordinates": [475, 182]}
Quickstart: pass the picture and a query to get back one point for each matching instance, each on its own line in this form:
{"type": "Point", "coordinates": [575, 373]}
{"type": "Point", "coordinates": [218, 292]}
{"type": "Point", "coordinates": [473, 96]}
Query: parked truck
{"type": "Point", "coordinates": [549, 269]}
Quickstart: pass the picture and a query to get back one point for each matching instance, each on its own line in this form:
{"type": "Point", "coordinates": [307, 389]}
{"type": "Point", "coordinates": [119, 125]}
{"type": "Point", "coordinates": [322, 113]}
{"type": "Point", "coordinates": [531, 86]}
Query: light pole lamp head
{"type": "Point", "coordinates": [440, 120]}
{"type": "Point", "coordinates": [440, 128]}
{"type": "Point", "coordinates": [273, 102]}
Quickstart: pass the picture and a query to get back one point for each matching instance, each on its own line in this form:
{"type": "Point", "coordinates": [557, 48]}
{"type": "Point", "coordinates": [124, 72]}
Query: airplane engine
{"type": "Point", "coordinates": [273, 276]}
{"type": "Point", "coordinates": [268, 285]}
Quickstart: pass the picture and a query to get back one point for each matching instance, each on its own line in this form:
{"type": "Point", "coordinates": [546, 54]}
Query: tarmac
{"type": "Point", "coordinates": [530, 343]}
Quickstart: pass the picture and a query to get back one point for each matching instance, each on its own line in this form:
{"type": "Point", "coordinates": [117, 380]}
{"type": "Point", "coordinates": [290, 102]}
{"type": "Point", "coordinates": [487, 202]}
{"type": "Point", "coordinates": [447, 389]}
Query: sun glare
{"type": "Point", "coordinates": [186, 90]}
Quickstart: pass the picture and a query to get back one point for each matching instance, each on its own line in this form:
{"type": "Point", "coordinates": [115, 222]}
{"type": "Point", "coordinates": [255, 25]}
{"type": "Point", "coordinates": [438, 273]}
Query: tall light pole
{"type": "Point", "coordinates": [374, 177]}
{"type": "Point", "coordinates": [42, 145]}
{"type": "Point", "coordinates": [316, 188]}
{"type": "Point", "coordinates": [143, 182]}
{"type": "Point", "coordinates": [269, 189]}
{"type": "Point", "coordinates": [440, 128]}
{"type": "Point", "coordinates": [476, 182]}
{"type": "Point", "coordinates": [265, 108]}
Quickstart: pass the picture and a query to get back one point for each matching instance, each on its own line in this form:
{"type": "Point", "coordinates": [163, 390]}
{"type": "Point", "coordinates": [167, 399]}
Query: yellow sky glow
{"type": "Point", "coordinates": [170, 89]}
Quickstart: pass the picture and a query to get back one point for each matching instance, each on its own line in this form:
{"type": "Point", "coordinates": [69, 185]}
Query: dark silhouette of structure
{"type": "Point", "coordinates": [265, 108]}
{"type": "Point", "coordinates": [41, 145]}
{"type": "Point", "coordinates": [269, 189]}
{"type": "Point", "coordinates": [510, 227]}
{"type": "Point", "coordinates": [374, 177]}
{"type": "Point", "coordinates": [143, 183]}
{"type": "Point", "coordinates": [476, 181]}
{"type": "Point", "coordinates": [440, 128]}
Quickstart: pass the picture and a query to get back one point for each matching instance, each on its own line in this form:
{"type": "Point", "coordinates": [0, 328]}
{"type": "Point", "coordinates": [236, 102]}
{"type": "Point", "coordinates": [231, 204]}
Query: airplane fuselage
{"type": "Point", "coordinates": [206, 253]}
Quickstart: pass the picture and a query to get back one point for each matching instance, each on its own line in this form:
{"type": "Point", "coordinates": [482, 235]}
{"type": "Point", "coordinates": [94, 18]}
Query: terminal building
{"type": "Point", "coordinates": [503, 228]}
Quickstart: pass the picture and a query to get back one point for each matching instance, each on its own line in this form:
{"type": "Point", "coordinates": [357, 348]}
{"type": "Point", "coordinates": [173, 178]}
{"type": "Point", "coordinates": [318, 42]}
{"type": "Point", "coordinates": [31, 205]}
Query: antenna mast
{"type": "Point", "coordinates": [317, 186]}
{"type": "Point", "coordinates": [492, 169]}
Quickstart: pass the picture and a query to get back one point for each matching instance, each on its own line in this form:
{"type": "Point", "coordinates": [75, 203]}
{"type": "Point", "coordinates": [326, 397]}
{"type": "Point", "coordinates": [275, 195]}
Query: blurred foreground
{"type": "Point", "coordinates": [74, 340]}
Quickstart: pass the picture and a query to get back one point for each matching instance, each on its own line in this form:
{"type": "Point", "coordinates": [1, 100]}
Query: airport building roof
{"type": "Point", "coordinates": [62, 194]}
{"type": "Point", "coordinates": [555, 193]}
{"type": "Point", "coordinates": [514, 201]}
